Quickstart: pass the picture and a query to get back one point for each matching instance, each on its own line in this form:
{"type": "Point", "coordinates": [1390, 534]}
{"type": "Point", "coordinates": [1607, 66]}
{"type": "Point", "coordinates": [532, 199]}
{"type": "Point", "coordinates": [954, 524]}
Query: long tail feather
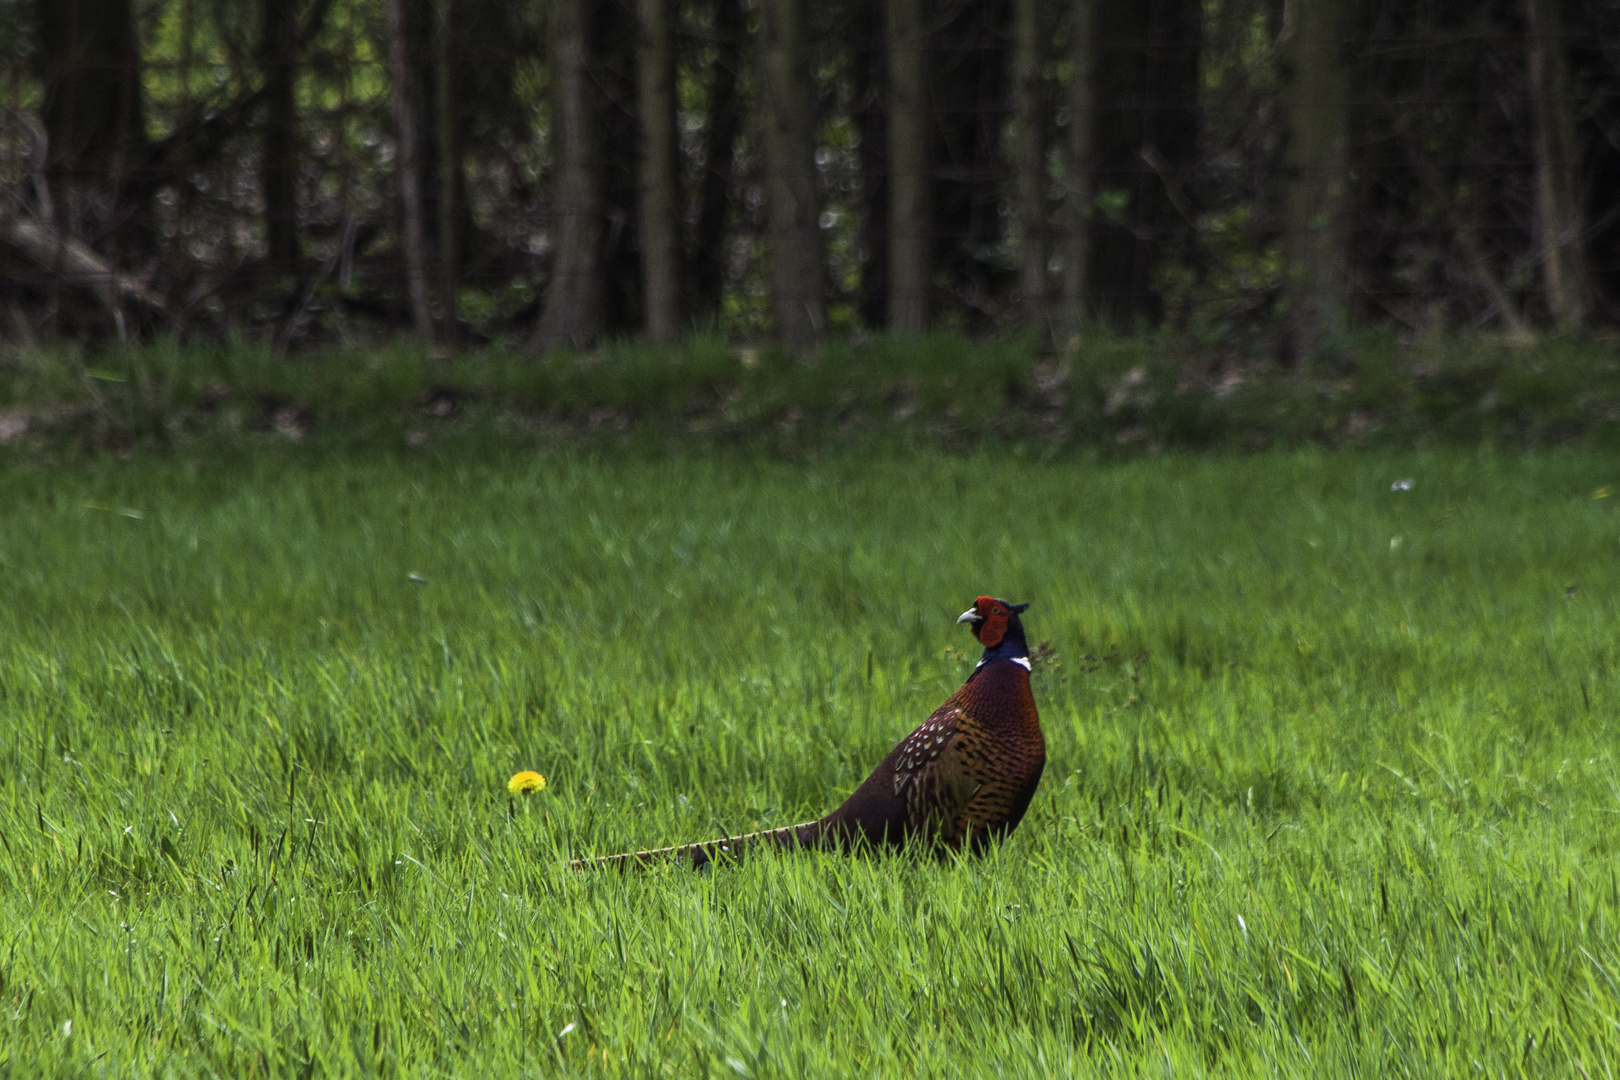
{"type": "Point", "coordinates": [790, 838]}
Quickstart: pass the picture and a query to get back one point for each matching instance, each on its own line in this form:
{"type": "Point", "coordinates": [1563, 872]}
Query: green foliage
{"type": "Point", "coordinates": [1113, 394]}
{"type": "Point", "coordinates": [1330, 790]}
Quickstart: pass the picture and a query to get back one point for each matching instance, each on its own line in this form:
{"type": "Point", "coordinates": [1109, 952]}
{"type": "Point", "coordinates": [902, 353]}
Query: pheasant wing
{"type": "Point", "coordinates": [931, 776]}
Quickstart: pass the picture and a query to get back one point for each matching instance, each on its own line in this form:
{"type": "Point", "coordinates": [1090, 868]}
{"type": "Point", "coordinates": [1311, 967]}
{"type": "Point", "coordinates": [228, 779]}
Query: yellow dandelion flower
{"type": "Point", "coordinates": [526, 782]}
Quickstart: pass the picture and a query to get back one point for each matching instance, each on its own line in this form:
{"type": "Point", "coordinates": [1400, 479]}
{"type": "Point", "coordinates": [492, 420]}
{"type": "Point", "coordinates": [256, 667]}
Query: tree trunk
{"type": "Point", "coordinates": [910, 174]}
{"type": "Point", "coordinates": [1078, 165]}
{"type": "Point", "coordinates": [464, 56]}
{"type": "Point", "coordinates": [89, 66]}
{"type": "Point", "coordinates": [1146, 151]}
{"type": "Point", "coordinates": [449, 166]}
{"type": "Point", "coordinates": [1029, 153]}
{"type": "Point", "coordinates": [969, 95]}
{"type": "Point", "coordinates": [572, 315]}
{"type": "Point", "coordinates": [1316, 193]}
{"type": "Point", "coordinates": [1589, 29]}
{"type": "Point", "coordinates": [787, 114]}
{"type": "Point", "coordinates": [869, 90]}
{"type": "Point", "coordinates": [660, 178]}
{"type": "Point", "coordinates": [408, 168]}
{"type": "Point", "coordinates": [617, 133]}
{"type": "Point", "coordinates": [278, 167]}
{"type": "Point", "coordinates": [719, 150]}
{"type": "Point", "coordinates": [1559, 224]}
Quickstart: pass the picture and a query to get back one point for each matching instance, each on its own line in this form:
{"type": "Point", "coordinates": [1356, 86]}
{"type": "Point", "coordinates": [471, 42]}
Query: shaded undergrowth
{"type": "Point", "coordinates": [1117, 395]}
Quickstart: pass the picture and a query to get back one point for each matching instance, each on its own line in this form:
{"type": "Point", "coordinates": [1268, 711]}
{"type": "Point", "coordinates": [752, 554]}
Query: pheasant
{"type": "Point", "coordinates": [966, 775]}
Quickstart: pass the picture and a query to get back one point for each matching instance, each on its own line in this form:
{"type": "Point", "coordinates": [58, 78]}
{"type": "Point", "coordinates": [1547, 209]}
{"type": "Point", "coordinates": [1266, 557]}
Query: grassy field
{"type": "Point", "coordinates": [1332, 786]}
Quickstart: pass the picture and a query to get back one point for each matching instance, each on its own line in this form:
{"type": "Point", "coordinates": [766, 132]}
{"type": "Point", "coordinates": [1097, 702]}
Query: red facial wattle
{"type": "Point", "coordinates": [994, 627]}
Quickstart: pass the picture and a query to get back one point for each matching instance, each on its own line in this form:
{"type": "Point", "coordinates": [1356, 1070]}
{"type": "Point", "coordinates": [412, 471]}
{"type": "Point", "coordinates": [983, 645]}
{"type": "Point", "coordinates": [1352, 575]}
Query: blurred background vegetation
{"type": "Point", "coordinates": [1316, 196]}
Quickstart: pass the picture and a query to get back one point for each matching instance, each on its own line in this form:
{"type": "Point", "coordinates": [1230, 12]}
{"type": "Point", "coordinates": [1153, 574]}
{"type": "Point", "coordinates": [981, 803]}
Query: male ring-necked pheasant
{"type": "Point", "coordinates": [966, 775]}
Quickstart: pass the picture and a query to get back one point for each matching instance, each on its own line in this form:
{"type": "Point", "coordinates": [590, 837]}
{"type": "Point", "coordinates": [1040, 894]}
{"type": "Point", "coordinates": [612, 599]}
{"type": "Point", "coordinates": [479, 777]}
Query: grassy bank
{"type": "Point", "coordinates": [1112, 395]}
{"type": "Point", "coordinates": [1331, 785]}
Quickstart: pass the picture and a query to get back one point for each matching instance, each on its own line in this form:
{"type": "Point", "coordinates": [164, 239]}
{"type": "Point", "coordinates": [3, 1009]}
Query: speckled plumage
{"type": "Point", "coordinates": [967, 774]}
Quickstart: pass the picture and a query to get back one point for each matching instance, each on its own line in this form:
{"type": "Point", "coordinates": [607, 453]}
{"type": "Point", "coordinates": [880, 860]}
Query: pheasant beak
{"type": "Point", "coordinates": [970, 615]}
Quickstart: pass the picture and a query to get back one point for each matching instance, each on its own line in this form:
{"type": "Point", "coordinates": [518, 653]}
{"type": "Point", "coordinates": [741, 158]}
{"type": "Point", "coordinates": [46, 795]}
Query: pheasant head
{"type": "Point", "coordinates": [994, 621]}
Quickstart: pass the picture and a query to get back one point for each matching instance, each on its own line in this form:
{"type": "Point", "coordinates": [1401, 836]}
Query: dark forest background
{"type": "Point", "coordinates": [1278, 172]}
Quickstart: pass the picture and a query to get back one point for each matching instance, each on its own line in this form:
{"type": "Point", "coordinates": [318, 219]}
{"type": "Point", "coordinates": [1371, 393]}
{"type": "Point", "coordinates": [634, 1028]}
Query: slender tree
{"type": "Point", "coordinates": [1145, 151]}
{"type": "Point", "coordinates": [1591, 29]}
{"type": "Point", "coordinates": [1559, 224]}
{"type": "Point", "coordinates": [969, 94]}
{"type": "Point", "coordinates": [910, 174]}
{"type": "Point", "coordinates": [408, 167]}
{"type": "Point", "coordinates": [614, 97]}
{"type": "Point", "coordinates": [869, 88]}
{"type": "Point", "coordinates": [278, 166]}
{"type": "Point", "coordinates": [1078, 163]}
{"type": "Point", "coordinates": [94, 114]}
{"type": "Point", "coordinates": [448, 160]}
{"type": "Point", "coordinates": [1029, 152]}
{"type": "Point", "coordinates": [572, 315]}
{"type": "Point", "coordinates": [1316, 177]}
{"type": "Point", "coordinates": [465, 58]}
{"type": "Point", "coordinates": [660, 176]}
{"type": "Point", "coordinates": [787, 115]}
{"type": "Point", "coordinates": [720, 129]}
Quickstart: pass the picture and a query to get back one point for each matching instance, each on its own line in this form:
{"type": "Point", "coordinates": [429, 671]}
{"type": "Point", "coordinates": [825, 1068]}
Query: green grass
{"type": "Point", "coordinates": [1111, 396]}
{"type": "Point", "coordinates": [1332, 785]}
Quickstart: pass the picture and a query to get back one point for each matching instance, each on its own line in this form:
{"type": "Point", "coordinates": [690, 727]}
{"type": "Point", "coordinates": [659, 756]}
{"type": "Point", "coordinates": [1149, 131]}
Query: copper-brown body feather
{"type": "Point", "coordinates": [966, 775]}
